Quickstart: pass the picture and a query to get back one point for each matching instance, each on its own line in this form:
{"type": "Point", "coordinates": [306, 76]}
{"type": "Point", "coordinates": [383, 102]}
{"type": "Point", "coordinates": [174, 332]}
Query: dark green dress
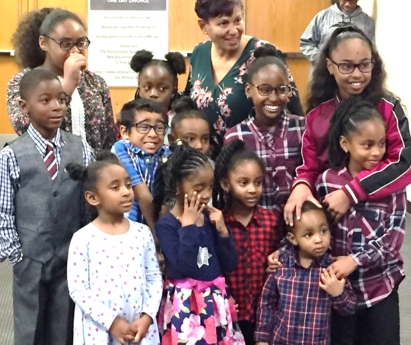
{"type": "Point", "coordinates": [226, 104]}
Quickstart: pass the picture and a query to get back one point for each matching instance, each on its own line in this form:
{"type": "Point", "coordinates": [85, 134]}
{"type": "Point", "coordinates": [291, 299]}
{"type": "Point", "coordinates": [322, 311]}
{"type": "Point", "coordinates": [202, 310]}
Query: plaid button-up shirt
{"type": "Point", "coordinates": [280, 151]}
{"type": "Point", "coordinates": [254, 243]}
{"type": "Point", "coordinates": [293, 309]}
{"type": "Point", "coordinates": [372, 233]}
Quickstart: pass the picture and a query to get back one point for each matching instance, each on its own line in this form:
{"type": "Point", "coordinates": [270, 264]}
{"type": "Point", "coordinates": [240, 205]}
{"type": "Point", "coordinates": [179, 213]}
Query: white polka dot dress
{"type": "Point", "coordinates": [110, 276]}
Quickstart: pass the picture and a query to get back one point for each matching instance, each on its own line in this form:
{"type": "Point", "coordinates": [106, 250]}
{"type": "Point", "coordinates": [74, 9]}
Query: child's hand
{"type": "Point", "coordinates": [140, 327]}
{"type": "Point", "coordinates": [216, 217]}
{"type": "Point", "coordinates": [192, 210]}
{"type": "Point", "coordinates": [273, 262]}
{"type": "Point", "coordinates": [121, 330]}
{"type": "Point", "coordinates": [299, 194]}
{"type": "Point", "coordinates": [343, 266]}
{"type": "Point", "coordinates": [72, 68]}
{"type": "Point", "coordinates": [331, 284]}
{"type": "Point", "coordinates": [338, 204]}
{"type": "Point", "coordinates": [261, 343]}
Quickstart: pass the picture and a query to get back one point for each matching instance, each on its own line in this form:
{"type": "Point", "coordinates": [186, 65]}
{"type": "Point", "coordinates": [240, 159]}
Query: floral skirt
{"type": "Point", "coordinates": [197, 312]}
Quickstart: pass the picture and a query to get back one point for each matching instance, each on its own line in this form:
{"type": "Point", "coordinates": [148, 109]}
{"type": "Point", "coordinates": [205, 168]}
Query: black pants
{"type": "Point", "coordinates": [248, 329]}
{"type": "Point", "coordinates": [378, 325]}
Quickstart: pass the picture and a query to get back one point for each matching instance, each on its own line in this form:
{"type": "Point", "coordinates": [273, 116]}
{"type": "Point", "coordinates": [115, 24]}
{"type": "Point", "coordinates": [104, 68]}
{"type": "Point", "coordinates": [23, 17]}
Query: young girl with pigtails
{"type": "Point", "coordinates": [198, 248]}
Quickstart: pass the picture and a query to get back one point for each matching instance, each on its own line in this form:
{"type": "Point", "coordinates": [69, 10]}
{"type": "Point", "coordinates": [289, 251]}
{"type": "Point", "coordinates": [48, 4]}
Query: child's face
{"type": "Point", "coordinates": [113, 193]}
{"type": "Point", "coordinates": [195, 132]}
{"type": "Point", "coordinates": [366, 146]}
{"type": "Point", "coordinates": [245, 183]}
{"type": "Point", "coordinates": [268, 108]}
{"type": "Point", "coordinates": [311, 234]}
{"type": "Point", "coordinates": [46, 107]}
{"type": "Point", "coordinates": [201, 181]}
{"type": "Point", "coordinates": [354, 51]}
{"type": "Point", "coordinates": [68, 30]}
{"type": "Point", "coordinates": [156, 83]}
{"type": "Point", "coordinates": [141, 135]}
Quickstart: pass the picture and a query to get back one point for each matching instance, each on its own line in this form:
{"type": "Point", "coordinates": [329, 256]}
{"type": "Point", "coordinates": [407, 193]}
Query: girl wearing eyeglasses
{"type": "Point", "coordinates": [270, 131]}
{"type": "Point", "coordinates": [350, 65]}
{"type": "Point", "coordinates": [56, 40]}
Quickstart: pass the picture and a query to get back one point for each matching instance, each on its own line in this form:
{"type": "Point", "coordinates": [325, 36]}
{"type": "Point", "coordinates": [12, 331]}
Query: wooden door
{"type": "Point", "coordinates": [282, 23]}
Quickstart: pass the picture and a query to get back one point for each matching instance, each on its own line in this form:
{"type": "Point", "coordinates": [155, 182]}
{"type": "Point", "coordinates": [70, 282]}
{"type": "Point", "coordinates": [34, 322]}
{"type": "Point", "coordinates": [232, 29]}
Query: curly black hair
{"type": "Point", "coordinates": [209, 9]}
{"type": "Point", "coordinates": [345, 120]}
{"type": "Point", "coordinates": [323, 86]}
{"type": "Point", "coordinates": [33, 25]}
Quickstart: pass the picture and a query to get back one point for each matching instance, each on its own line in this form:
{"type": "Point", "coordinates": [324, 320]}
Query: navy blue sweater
{"type": "Point", "coordinates": [180, 246]}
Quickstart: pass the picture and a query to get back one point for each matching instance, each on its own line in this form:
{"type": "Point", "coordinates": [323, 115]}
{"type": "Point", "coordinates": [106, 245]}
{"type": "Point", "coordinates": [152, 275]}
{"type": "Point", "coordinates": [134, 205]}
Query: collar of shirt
{"type": "Point", "coordinates": [229, 218]}
{"type": "Point", "coordinates": [41, 143]}
{"type": "Point", "coordinates": [280, 129]}
{"type": "Point", "coordinates": [135, 151]}
{"type": "Point", "coordinates": [288, 258]}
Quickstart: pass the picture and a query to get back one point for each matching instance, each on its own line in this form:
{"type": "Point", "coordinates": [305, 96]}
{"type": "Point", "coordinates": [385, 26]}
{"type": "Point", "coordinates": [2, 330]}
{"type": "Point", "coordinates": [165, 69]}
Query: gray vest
{"type": "Point", "coordinates": [48, 212]}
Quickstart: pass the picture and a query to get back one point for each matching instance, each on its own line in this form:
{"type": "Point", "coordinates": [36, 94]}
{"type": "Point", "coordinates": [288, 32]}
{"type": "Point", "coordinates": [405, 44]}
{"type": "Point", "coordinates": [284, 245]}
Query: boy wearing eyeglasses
{"type": "Point", "coordinates": [270, 131]}
{"type": "Point", "coordinates": [143, 123]}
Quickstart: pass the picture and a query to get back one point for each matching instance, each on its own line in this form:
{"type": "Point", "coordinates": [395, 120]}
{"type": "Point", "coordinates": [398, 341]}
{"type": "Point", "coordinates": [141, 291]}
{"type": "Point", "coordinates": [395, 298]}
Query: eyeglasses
{"type": "Point", "coordinates": [144, 128]}
{"type": "Point", "coordinates": [266, 90]}
{"type": "Point", "coordinates": [81, 44]}
{"type": "Point", "coordinates": [349, 67]}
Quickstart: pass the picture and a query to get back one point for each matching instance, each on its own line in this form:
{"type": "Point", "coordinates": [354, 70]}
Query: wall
{"type": "Point", "coordinates": [392, 26]}
{"type": "Point", "coordinates": [291, 18]}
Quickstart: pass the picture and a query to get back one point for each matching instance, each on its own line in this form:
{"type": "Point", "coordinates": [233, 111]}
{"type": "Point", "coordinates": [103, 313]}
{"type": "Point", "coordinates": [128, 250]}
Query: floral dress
{"type": "Point", "coordinates": [101, 131]}
{"type": "Point", "coordinates": [225, 103]}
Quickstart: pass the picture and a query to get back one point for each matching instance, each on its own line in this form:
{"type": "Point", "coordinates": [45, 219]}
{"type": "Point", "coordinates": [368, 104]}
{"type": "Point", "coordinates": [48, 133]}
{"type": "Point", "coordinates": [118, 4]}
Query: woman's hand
{"type": "Point", "coordinates": [337, 204]}
{"type": "Point", "coordinates": [273, 262]}
{"type": "Point", "coordinates": [140, 327]}
{"type": "Point", "coordinates": [343, 266]}
{"type": "Point", "coordinates": [298, 196]}
{"type": "Point", "coordinates": [216, 217]}
{"type": "Point", "coordinates": [72, 69]}
{"type": "Point", "coordinates": [192, 210]}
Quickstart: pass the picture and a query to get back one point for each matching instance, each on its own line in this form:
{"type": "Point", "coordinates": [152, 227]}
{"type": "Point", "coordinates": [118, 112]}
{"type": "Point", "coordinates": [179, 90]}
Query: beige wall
{"type": "Point", "coordinates": [393, 29]}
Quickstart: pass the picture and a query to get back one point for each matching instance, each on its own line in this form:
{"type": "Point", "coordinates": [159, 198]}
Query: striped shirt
{"type": "Point", "coordinates": [10, 184]}
{"type": "Point", "coordinates": [293, 309]}
{"type": "Point", "coordinates": [141, 167]}
{"type": "Point", "coordinates": [280, 151]}
{"type": "Point", "coordinates": [372, 233]}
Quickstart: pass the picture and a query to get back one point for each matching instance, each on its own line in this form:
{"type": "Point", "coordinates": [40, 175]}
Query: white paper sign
{"type": "Point", "coordinates": [119, 28]}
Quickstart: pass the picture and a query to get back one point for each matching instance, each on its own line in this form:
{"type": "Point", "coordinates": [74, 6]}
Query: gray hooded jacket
{"type": "Point", "coordinates": [325, 22]}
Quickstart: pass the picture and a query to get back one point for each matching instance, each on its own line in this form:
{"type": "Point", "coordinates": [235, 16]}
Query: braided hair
{"type": "Point", "coordinates": [345, 120]}
{"type": "Point", "coordinates": [183, 161]}
{"type": "Point", "coordinates": [231, 155]}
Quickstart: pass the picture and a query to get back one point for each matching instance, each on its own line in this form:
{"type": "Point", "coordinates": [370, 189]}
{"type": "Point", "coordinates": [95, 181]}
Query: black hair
{"type": "Point", "coordinates": [89, 176]}
{"type": "Point", "coordinates": [32, 79]}
{"type": "Point", "coordinates": [186, 108]}
{"type": "Point", "coordinates": [266, 55]}
{"type": "Point", "coordinates": [323, 86]}
{"type": "Point", "coordinates": [231, 155]}
{"type": "Point", "coordinates": [209, 9]}
{"type": "Point", "coordinates": [308, 206]}
{"type": "Point", "coordinates": [128, 111]}
{"type": "Point", "coordinates": [33, 25]}
{"type": "Point", "coordinates": [174, 63]}
{"type": "Point", "coordinates": [345, 120]}
{"type": "Point", "coordinates": [183, 161]}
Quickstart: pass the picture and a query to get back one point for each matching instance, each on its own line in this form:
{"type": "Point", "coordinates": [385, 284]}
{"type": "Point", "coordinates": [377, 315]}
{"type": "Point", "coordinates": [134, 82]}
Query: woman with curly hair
{"type": "Point", "coordinates": [56, 40]}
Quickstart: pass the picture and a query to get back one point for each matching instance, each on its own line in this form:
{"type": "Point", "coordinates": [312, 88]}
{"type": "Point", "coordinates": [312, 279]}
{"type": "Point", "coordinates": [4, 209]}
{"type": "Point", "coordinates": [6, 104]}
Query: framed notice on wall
{"type": "Point", "coordinates": [117, 29]}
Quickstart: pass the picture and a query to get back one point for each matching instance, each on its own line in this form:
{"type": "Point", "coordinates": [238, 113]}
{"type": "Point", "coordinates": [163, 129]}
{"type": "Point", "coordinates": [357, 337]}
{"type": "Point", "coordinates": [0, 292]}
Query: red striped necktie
{"type": "Point", "coordinates": [50, 161]}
